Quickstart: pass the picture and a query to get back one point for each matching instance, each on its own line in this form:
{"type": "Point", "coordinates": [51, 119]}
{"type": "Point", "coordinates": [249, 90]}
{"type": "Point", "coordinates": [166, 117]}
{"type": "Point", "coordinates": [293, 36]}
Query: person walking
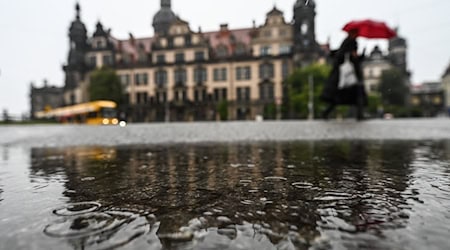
{"type": "Point", "coordinates": [336, 90]}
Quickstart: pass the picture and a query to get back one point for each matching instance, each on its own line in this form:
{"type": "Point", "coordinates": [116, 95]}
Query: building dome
{"type": "Point", "coordinates": [77, 30]}
{"type": "Point", "coordinates": [99, 31]}
{"type": "Point", "coordinates": [163, 18]}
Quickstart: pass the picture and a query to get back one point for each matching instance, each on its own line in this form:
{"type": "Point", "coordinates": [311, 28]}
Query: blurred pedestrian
{"type": "Point", "coordinates": [345, 84]}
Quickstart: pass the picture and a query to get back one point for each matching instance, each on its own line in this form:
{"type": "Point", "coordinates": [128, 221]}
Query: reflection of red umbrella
{"type": "Point", "coordinates": [370, 29]}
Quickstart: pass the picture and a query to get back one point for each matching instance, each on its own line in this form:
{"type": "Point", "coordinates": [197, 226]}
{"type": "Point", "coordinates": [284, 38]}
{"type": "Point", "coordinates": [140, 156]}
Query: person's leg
{"type": "Point", "coordinates": [360, 103]}
{"type": "Point", "coordinates": [328, 110]}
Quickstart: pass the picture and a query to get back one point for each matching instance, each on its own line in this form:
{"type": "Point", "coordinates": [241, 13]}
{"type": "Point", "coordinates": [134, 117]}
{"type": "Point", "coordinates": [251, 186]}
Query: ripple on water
{"type": "Point", "coordinates": [334, 196]}
{"type": "Point", "coordinates": [275, 178]}
{"type": "Point", "coordinates": [85, 224]}
{"type": "Point", "coordinates": [77, 208]}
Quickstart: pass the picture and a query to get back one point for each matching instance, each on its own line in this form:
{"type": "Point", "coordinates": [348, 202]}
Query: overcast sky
{"type": "Point", "coordinates": [34, 41]}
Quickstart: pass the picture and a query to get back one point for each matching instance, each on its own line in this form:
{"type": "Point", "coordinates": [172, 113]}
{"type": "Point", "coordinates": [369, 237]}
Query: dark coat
{"type": "Point", "coordinates": [347, 96]}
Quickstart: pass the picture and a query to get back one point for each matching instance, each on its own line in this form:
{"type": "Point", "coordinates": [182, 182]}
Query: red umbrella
{"type": "Point", "coordinates": [370, 29]}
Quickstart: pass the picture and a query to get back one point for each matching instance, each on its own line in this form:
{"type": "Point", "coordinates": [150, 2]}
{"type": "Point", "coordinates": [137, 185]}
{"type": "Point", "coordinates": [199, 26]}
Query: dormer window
{"type": "Point", "coordinates": [266, 51]}
{"type": "Point", "coordinates": [240, 49]}
{"type": "Point", "coordinates": [160, 59]}
{"type": "Point", "coordinates": [179, 57]}
{"type": "Point", "coordinates": [187, 40]}
{"type": "Point", "coordinates": [285, 49]}
{"type": "Point", "coordinates": [199, 56]}
{"type": "Point", "coordinates": [222, 51]}
{"type": "Point", "coordinates": [170, 42]}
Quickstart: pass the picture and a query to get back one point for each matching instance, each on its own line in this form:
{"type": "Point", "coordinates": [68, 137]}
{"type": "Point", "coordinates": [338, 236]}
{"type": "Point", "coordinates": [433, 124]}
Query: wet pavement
{"type": "Point", "coordinates": [74, 192]}
{"type": "Point", "coordinates": [163, 133]}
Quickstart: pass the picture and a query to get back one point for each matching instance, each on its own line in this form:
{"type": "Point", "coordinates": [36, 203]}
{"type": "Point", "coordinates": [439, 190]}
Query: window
{"type": "Point", "coordinates": [285, 49]}
{"type": "Point", "coordinates": [266, 51]}
{"type": "Point", "coordinates": [243, 73]}
{"type": "Point", "coordinates": [199, 56]}
{"type": "Point", "coordinates": [141, 98]}
{"type": "Point", "coordinates": [187, 40]}
{"type": "Point", "coordinates": [141, 79]}
{"type": "Point", "coordinates": [107, 60]}
{"type": "Point", "coordinates": [200, 75]}
{"type": "Point", "coordinates": [161, 96]}
{"type": "Point", "coordinates": [125, 79]}
{"type": "Point", "coordinates": [142, 57]}
{"type": "Point", "coordinates": [220, 94]}
{"type": "Point", "coordinates": [180, 95]}
{"type": "Point", "coordinates": [266, 71]}
{"type": "Point", "coordinates": [266, 91]}
{"type": "Point", "coordinates": [222, 51]}
{"type": "Point", "coordinates": [92, 61]}
{"type": "Point", "coordinates": [243, 94]}
{"type": "Point", "coordinates": [285, 70]}
{"type": "Point", "coordinates": [170, 42]}
{"type": "Point", "coordinates": [161, 78]}
{"type": "Point", "coordinates": [267, 33]}
{"type": "Point", "coordinates": [220, 74]}
{"type": "Point", "coordinates": [179, 57]}
{"type": "Point", "coordinates": [240, 49]}
{"type": "Point", "coordinates": [200, 95]}
{"type": "Point", "coordinates": [283, 32]}
{"type": "Point", "coordinates": [160, 59]}
{"type": "Point", "coordinates": [180, 77]}
{"type": "Point", "coordinates": [99, 44]}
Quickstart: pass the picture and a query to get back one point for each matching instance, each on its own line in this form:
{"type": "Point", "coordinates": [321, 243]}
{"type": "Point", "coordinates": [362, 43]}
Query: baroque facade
{"type": "Point", "coordinates": [184, 75]}
{"type": "Point", "coordinates": [377, 62]}
{"type": "Point", "coordinates": [446, 86]}
{"type": "Point", "coordinates": [429, 97]}
{"type": "Point", "coordinates": [45, 98]}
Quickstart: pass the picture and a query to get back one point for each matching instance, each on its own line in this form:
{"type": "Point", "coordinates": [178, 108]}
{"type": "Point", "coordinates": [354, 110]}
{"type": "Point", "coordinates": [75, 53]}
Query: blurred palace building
{"type": "Point", "coordinates": [185, 75]}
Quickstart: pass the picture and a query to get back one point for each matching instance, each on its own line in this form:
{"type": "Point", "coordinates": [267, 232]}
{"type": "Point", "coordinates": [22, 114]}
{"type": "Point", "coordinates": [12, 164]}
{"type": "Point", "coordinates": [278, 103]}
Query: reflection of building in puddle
{"type": "Point", "coordinates": [5, 154]}
{"type": "Point", "coordinates": [5, 159]}
{"type": "Point", "coordinates": [301, 188]}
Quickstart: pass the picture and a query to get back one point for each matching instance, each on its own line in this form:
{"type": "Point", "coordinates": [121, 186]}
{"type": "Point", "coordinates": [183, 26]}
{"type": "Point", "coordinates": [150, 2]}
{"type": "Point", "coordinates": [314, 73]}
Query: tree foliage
{"type": "Point", "coordinates": [393, 87]}
{"type": "Point", "coordinates": [222, 109]}
{"type": "Point", "coordinates": [105, 85]}
{"type": "Point", "coordinates": [298, 90]}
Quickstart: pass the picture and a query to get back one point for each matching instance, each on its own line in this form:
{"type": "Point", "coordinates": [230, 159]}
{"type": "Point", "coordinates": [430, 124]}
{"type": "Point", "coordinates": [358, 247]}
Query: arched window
{"type": "Point", "coordinates": [222, 51]}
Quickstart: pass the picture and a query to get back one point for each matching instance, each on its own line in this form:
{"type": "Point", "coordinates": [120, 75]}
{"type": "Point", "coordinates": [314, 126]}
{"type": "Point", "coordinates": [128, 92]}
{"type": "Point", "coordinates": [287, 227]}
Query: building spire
{"type": "Point", "coordinates": [78, 9]}
{"type": "Point", "coordinates": [165, 4]}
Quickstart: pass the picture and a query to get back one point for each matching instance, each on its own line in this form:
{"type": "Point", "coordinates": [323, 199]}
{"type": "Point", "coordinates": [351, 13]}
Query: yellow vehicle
{"type": "Point", "coordinates": [94, 113]}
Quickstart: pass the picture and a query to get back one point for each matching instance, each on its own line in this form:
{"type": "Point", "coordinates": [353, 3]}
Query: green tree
{"type": "Point", "coordinates": [222, 109]}
{"type": "Point", "coordinates": [393, 88]}
{"type": "Point", "coordinates": [298, 89]}
{"type": "Point", "coordinates": [6, 117]}
{"type": "Point", "coordinates": [105, 85]}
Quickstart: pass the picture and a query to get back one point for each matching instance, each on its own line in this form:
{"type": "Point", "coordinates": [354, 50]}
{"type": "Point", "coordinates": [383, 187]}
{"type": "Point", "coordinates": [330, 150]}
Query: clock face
{"type": "Point", "coordinates": [304, 28]}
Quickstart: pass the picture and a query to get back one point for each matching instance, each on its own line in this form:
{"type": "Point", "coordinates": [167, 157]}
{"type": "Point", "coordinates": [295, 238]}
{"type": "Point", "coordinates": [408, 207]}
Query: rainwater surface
{"type": "Point", "coordinates": [341, 194]}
